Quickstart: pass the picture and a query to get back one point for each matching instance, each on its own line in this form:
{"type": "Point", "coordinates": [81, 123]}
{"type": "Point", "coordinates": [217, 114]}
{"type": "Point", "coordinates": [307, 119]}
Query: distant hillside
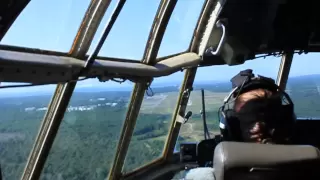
{"type": "Point", "coordinates": [215, 86]}
{"type": "Point", "coordinates": [293, 82]}
{"type": "Point", "coordinates": [306, 80]}
{"type": "Point", "coordinates": [312, 76]}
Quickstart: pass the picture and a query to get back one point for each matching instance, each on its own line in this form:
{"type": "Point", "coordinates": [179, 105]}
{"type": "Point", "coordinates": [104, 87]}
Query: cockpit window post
{"type": "Point", "coordinates": [127, 130]}
{"type": "Point", "coordinates": [163, 15]}
{"type": "Point", "coordinates": [179, 111]}
{"type": "Point", "coordinates": [63, 92]}
{"type": "Point", "coordinates": [284, 69]}
{"type": "Point", "coordinates": [188, 80]}
{"type": "Point", "coordinates": [157, 31]}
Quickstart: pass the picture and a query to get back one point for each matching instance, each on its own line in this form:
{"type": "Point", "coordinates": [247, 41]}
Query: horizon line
{"type": "Point", "coordinates": [121, 88]}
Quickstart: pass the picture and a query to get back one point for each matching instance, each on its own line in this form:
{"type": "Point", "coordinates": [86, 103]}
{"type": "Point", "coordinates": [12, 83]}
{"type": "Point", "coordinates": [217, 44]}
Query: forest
{"type": "Point", "coordinates": [85, 145]}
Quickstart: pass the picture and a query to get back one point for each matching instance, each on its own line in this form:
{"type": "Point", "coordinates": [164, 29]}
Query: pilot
{"type": "Point", "coordinates": [257, 115]}
{"type": "Point", "coordinates": [258, 112]}
{"type": "Point", "coordinates": [253, 109]}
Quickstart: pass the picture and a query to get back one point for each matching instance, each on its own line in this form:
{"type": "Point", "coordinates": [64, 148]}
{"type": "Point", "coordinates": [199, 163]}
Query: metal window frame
{"type": "Point", "coordinates": [157, 169]}
{"type": "Point", "coordinates": [63, 92]}
{"type": "Point", "coordinates": [187, 83]}
{"type": "Point", "coordinates": [158, 29]}
{"type": "Point", "coordinates": [284, 69]}
{"type": "Point", "coordinates": [45, 69]}
{"type": "Point", "coordinates": [162, 17]}
{"type": "Point", "coordinates": [32, 50]}
{"type": "Point", "coordinates": [162, 160]}
{"type": "Point", "coordinates": [179, 111]}
{"type": "Point", "coordinates": [194, 34]}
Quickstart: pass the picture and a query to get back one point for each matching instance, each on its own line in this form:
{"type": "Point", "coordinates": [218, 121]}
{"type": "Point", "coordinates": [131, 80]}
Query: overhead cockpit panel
{"type": "Point", "coordinates": [9, 11]}
{"type": "Point", "coordinates": [262, 27]}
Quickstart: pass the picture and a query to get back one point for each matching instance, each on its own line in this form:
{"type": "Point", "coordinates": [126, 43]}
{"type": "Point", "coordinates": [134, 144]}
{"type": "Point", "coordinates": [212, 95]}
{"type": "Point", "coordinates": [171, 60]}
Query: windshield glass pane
{"type": "Point", "coordinates": [215, 80]}
{"type": "Point", "coordinates": [47, 24]}
{"type": "Point", "coordinates": [303, 85]}
{"type": "Point", "coordinates": [180, 28]}
{"type": "Point", "coordinates": [22, 110]}
{"type": "Point", "coordinates": [88, 135]}
{"type": "Point", "coordinates": [153, 122]}
{"type": "Point", "coordinates": [129, 34]}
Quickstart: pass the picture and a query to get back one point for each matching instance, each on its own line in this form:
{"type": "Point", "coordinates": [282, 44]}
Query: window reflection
{"type": "Point", "coordinates": [87, 138]}
{"type": "Point", "coordinates": [153, 122]}
{"type": "Point", "coordinates": [215, 80]}
{"type": "Point", "coordinates": [129, 34]}
{"type": "Point", "coordinates": [47, 24]}
{"type": "Point", "coordinates": [180, 28]}
{"type": "Point", "coordinates": [22, 110]}
{"type": "Point", "coordinates": [303, 85]}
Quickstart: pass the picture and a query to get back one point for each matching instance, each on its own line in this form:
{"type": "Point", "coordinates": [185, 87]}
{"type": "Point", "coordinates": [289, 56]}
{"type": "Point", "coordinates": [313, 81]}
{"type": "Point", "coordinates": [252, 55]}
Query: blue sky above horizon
{"type": "Point", "coordinates": [60, 19]}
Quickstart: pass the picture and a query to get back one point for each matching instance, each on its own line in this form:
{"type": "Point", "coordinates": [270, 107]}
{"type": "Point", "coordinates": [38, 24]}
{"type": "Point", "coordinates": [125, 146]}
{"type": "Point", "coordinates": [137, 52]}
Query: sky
{"type": "Point", "coordinates": [60, 20]}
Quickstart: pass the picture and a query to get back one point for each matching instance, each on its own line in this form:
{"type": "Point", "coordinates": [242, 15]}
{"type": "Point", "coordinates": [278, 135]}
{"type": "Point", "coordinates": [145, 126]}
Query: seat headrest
{"type": "Point", "coordinates": [229, 155]}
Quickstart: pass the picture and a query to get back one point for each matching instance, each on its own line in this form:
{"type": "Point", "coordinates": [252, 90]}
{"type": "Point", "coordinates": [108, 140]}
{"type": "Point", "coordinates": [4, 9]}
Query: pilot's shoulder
{"type": "Point", "coordinates": [205, 173]}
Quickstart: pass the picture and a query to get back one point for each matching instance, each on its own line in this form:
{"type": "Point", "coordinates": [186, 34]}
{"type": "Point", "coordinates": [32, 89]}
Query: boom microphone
{"type": "Point", "coordinates": [188, 115]}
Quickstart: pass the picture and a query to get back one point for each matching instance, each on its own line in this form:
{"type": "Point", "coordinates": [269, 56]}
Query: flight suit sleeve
{"type": "Point", "coordinates": [203, 173]}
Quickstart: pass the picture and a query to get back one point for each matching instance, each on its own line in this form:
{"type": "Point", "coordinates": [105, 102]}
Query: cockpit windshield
{"type": "Point", "coordinates": [87, 139]}
{"type": "Point", "coordinates": [113, 113]}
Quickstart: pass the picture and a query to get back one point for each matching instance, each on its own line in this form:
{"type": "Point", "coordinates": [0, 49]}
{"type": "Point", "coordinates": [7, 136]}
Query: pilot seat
{"type": "Point", "coordinates": [251, 161]}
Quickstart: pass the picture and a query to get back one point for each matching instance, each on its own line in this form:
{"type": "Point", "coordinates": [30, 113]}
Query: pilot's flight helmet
{"type": "Point", "coordinates": [234, 125]}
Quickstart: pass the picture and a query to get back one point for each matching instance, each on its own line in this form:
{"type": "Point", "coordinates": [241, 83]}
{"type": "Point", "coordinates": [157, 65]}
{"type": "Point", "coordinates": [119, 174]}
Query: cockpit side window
{"type": "Point", "coordinates": [180, 28]}
{"type": "Point", "coordinates": [303, 86]}
{"type": "Point", "coordinates": [153, 121]}
{"type": "Point", "coordinates": [129, 34]}
{"type": "Point", "coordinates": [22, 110]}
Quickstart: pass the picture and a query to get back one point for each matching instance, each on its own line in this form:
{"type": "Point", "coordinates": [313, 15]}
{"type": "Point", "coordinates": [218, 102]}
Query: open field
{"type": "Point", "coordinates": [164, 103]}
{"type": "Point", "coordinates": [161, 103]}
{"type": "Point", "coordinates": [213, 100]}
{"type": "Point", "coordinates": [194, 132]}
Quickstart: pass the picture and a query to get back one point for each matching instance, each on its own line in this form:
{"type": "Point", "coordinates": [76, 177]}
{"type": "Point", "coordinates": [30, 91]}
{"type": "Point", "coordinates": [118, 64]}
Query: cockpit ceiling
{"type": "Point", "coordinates": [9, 11]}
{"type": "Point", "coordinates": [267, 26]}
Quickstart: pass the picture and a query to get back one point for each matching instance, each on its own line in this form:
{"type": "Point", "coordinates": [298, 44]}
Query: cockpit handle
{"type": "Point", "coordinates": [219, 24]}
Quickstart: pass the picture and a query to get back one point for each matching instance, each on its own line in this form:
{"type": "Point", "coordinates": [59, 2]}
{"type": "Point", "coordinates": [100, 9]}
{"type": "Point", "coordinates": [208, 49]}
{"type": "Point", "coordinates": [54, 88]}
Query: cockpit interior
{"type": "Point", "coordinates": [131, 89]}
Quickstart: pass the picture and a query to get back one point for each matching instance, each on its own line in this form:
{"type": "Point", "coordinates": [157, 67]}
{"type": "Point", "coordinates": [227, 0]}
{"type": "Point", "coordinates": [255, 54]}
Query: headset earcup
{"type": "Point", "coordinates": [232, 131]}
{"type": "Point", "coordinates": [222, 125]}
